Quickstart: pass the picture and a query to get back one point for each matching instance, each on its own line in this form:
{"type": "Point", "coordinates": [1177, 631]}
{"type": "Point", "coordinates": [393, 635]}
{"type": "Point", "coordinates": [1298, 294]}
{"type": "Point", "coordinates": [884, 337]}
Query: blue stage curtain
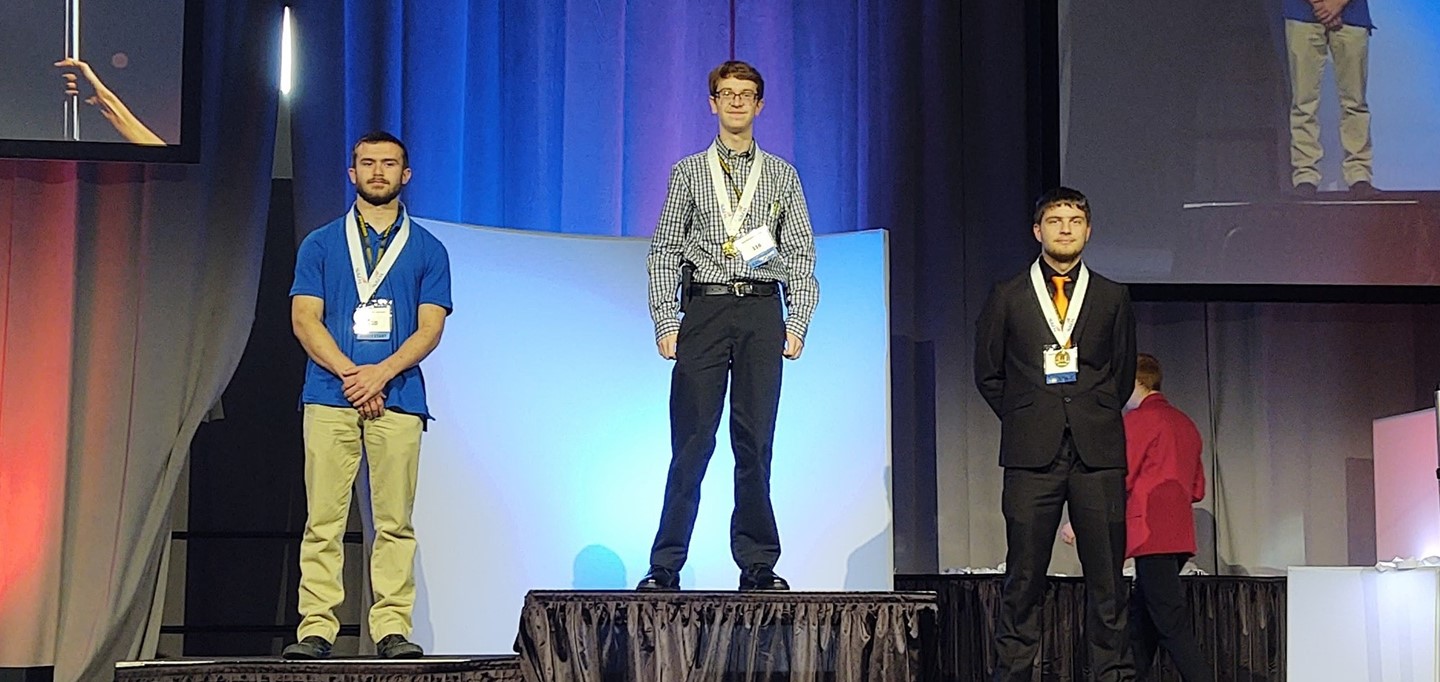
{"type": "Point", "coordinates": [568, 115]}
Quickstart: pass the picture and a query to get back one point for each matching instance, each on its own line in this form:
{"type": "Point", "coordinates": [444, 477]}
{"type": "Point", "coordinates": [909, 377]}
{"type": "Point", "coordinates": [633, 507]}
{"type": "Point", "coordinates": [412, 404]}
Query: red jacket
{"type": "Point", "coordinates": [1164, 478]}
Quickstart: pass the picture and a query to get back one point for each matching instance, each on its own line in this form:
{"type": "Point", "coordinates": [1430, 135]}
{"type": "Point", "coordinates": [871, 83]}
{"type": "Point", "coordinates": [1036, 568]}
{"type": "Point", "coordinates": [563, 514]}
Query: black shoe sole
{"type": "Point", "coordinates": [405, 655]}
{"type": "Point", "coordinates": [292, 656]}
{"type": "Point", "coordinates": [656, 588]}
{"type": "Point", "coordinates": [758, 588]}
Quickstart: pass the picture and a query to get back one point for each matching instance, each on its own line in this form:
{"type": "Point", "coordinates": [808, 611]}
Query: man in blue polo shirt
{"type": "Point", "coordinates": [1340, 30]}
{"type": "Point", "coordinates": [371, 293]}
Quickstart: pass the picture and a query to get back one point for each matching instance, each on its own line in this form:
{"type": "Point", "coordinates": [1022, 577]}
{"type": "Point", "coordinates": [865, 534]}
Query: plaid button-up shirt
{"type": "Point", "coordinates": [692, 230]}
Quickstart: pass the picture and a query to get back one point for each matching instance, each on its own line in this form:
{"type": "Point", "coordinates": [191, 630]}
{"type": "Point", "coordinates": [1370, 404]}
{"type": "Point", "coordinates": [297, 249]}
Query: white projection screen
{"type": "Point", "coordinates": [545, 466]}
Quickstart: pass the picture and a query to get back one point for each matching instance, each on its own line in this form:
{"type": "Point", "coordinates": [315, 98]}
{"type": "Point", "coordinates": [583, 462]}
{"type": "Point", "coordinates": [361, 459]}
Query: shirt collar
{"type": "Point", "coordinates": [1050, 272]}
{"type": "Point", "coordinates": [399, 218]}
{"type": "Point", "coordinates": [730, 154]}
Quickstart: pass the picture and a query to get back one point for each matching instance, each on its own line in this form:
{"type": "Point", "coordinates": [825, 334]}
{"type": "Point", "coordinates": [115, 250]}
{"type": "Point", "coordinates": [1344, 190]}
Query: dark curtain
{"type": "Point", "coordinates": [241, 558]}
{"type": "Point", "coordinates": [1239, 622]}
{"type": "Point", "coordinates": [703, 637]}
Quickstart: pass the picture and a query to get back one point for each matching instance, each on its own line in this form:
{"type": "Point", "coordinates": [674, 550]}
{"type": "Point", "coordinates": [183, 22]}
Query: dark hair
{"type": "Point", "coordinates": [1061, 196]}
{"type": "Point", "coordinates": [1147, 371]}
{"type": "Point", "coordinates": [377, 136]}
{"type": "Point", "coordinates": [740, 70]}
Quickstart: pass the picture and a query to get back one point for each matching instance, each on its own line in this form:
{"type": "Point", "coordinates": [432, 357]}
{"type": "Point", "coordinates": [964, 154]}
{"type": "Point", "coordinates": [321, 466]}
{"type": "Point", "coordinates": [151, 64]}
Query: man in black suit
{"type": "Point", "coordinates": [1055, 359]}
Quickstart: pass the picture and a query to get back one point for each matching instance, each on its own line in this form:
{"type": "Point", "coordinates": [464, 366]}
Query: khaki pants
{"type": "Point", "coordinates": [1309, 45]}
{"type": "Point", "coordinates": [333, 441]}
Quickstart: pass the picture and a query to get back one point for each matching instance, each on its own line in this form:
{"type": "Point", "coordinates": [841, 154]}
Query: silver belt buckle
{"type": "Point", "coordinates": [739, 288]}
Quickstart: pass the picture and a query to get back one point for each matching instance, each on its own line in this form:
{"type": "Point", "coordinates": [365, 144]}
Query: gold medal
{"type": "Point", "coordinates": [1062, 358]}
{"type": "Point", "coordinates": [729, 248]}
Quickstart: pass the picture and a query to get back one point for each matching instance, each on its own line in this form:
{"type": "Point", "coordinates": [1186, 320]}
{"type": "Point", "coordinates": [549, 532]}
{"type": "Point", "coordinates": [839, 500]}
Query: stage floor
{"type": "Point", "coordinates": [429, 669]}
{"type": "Point", "coordinates": [1387, 239]}
{"type": "Point", "coordinates": [942, 628]}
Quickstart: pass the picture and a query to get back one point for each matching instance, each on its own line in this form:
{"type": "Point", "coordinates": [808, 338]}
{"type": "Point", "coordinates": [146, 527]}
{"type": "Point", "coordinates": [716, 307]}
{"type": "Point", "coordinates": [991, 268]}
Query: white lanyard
{"type": "Point", "coordinates": [1062, 329]}
{"type": "Point", "coordinates": [734, 217]}
{"type": "Point", "coordinates": [366, 284]}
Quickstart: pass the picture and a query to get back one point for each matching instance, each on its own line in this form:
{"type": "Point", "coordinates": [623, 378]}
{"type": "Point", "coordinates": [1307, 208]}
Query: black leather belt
{"type": "Point", "coordinates": [741, 288]}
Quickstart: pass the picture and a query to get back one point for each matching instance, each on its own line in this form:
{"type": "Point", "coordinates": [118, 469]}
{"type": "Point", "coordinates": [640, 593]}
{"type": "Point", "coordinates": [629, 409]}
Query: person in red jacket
{"type": "Point", "coordinates": [1164, 477]}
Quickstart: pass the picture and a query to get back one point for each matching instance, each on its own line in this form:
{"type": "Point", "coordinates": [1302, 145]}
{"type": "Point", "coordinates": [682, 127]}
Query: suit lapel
{"type": "Point", "coordinates": [1092, 298]}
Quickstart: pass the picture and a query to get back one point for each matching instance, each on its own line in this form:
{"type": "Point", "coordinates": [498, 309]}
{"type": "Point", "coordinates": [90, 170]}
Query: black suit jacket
{"type": "Point", "coordinates": [1009, 371]}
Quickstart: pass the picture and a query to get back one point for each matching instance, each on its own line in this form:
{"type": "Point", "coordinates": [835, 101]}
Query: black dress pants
{"type": "Point", "coordinates": [1159, 618]}
{"type": "Point", "coordinates": [724, 339]}
{"type": "Point", "coordinates": [1031, 502]}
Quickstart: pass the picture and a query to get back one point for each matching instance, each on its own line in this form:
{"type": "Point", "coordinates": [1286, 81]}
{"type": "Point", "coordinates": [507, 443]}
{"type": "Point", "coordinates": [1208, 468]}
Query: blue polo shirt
{"type": "Point", "coordinates": [1357, 13]}
{"type": "Point", "coordinates": [421, 274]}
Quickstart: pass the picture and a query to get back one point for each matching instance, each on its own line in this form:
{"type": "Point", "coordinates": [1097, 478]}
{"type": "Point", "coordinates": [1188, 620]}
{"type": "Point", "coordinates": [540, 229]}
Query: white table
{"type": "Point", "coordinates": [1362, 625]}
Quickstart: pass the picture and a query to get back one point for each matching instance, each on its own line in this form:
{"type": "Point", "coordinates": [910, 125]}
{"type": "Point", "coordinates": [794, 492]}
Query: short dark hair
{"type": "Point", "coordinates": [1061, 196]}
{"type": "Point", "coordinates": [740, 70]}
{"type": "Point", "coordinates": [376, 136]}
{"type": "Point", "coordinates": [1147, 371]}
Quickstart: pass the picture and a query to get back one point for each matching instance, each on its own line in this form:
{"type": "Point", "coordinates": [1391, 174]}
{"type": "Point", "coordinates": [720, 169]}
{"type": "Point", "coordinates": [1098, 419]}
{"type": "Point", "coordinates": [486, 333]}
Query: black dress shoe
{"type": "Point", "coordinates": [308, 649]}
{"type": "Point", "coordinates": [659, 580]}
{"type": "Point", "coordinates": [761, 578]}
{"type": "Point", "coordinates": [1363, 189]}
{"type": "Point", "coordinates": [1306, 190]}
{"type": "Point", "coordinates": [396, 646]}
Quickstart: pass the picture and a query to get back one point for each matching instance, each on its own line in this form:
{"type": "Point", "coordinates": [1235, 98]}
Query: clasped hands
{"type": "Point", "coordinates": [363, 386]}
{"type": "Point", "coordinates": [1328, 12]}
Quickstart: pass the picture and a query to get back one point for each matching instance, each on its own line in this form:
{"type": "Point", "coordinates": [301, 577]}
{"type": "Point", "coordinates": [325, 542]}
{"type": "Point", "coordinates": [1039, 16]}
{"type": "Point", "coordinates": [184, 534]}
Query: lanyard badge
{"type": "Point", "coordinates": [374, 319]}
{"type": "Point", "coordinates": [1061, 359]}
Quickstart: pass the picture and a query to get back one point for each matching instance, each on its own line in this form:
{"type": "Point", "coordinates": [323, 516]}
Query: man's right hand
{"type": "Point", "coordinates": [666, 345]}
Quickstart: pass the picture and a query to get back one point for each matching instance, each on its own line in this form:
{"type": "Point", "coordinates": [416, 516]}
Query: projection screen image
{"type": "Point", "coordinates": [1253, 142]}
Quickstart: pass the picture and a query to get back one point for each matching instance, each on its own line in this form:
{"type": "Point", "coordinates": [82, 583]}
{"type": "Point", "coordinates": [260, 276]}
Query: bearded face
{"type": "Point", "coordinates": [379, 172]}
{"type": "Point", "coordinates": [1062, 232]}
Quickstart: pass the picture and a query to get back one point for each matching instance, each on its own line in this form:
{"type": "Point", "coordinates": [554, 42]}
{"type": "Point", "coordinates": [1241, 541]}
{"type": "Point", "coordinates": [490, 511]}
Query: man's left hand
{"type": "Point", "coordinates": [794, 345]}
{"type": "Point", "coordinates": [364, 382]}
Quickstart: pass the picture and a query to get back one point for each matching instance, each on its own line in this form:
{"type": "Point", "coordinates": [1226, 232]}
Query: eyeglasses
{"type": "Point", "coordinates": [745, 96]}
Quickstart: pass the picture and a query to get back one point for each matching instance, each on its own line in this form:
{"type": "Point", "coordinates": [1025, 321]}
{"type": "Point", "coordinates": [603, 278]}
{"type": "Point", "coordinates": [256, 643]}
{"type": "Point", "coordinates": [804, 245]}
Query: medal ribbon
{"type": "Point", "coordinates": [734, 216]}
{"type": "Point", "coordinates": [367, 282]}
{"type": "Point", "coordinates": [1060, 327]}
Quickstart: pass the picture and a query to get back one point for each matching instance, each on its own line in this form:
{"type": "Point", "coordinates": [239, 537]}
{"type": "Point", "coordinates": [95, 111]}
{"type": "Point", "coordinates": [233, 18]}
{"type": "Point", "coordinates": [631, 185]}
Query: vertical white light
{"type": "Point", "coordinates": [75, 29]}
{"type": "Point", "coordinates": [287, 53]}
{"type": "Point", "coordinates": [72, 50]}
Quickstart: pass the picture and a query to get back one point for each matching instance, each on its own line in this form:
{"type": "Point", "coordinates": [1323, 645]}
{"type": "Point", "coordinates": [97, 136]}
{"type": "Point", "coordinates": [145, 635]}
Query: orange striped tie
{"type": "Point", "coordinates": [1062, 302]}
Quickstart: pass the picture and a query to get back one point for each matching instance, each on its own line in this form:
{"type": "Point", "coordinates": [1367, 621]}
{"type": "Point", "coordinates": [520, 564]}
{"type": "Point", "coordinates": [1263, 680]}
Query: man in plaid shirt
{"type": "Point", "coordinates": [734, 238]}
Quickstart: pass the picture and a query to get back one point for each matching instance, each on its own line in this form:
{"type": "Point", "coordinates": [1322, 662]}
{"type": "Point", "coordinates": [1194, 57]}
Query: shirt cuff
{"type": "Point", "coordinates": [665, 328]}
{"type": "Point", "coordinates": [796, 327]}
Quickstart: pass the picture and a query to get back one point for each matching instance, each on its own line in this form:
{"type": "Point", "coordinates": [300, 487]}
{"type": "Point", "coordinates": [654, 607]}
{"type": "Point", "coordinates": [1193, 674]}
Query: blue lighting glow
{"type": "Point", "coordinates": [546, 464]}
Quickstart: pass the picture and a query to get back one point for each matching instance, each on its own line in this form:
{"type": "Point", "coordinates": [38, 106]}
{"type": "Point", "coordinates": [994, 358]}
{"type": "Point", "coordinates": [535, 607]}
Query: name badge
{"type": "Point", "coordinates": [757, 247]}
{"type": "Point", "coordinates": [374, 320]}
{"type": "Point", "coordinates": [1061, 364]}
